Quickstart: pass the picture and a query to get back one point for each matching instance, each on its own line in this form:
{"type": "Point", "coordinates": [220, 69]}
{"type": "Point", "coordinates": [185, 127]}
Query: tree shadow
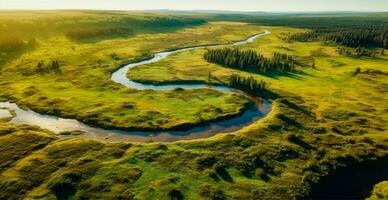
{"type": "Point", "coordinates": [290, 121]}
{"type": "Point", "coordinates": [276, 75]}
{"type": "Point", "coordinates": [267, 94]}
{"type": "Point", "coordinates": [299, 141]}
{"type": "Point", "coordinates": [295, 106]}
{"type": "Point", "coordinates": [221, 171]}
{"type": "Point", "coordinates": [296, 74]}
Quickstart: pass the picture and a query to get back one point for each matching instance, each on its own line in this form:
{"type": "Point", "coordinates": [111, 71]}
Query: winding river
{"type": "Point", "coordinates": [60, 125]}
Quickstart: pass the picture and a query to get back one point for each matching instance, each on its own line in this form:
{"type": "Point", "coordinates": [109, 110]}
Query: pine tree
{"type": "Point", "coordinates": [249, 60]}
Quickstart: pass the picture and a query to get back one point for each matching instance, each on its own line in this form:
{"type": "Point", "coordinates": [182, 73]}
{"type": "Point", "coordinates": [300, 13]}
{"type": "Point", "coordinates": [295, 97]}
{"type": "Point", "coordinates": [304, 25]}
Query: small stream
{"type": "Point", "coordinates": [59, 125]}
{"type": "Point", "coordinates": [120, 76]}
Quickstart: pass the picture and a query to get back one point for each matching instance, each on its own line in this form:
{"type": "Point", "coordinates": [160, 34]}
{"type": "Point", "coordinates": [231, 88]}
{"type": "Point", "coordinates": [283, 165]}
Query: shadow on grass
{"type": "Point", "coordinates": [276, 75]}
{"type": "Point", "coordinates": [299, 141]}
{"type": "Point", "coordinates": [267, 94]}
{"type": "Point", "coordinates": [295, 106]}
{"type": "Point", "coordinates": [290, 121]}
{"type": "Point", "coordinates": [221, 171]}
{"type": "Point", "coordinates": [296, 74]}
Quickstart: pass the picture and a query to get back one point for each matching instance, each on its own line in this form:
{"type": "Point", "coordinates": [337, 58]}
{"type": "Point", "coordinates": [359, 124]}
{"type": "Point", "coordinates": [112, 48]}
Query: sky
{"type": "Point", "coordinates": [236, 5]}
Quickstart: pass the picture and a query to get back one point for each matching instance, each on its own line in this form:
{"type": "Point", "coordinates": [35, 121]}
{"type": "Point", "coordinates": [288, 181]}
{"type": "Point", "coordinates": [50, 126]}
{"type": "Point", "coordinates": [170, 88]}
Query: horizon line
{"type": "Point", "coordinates": [193, 10]}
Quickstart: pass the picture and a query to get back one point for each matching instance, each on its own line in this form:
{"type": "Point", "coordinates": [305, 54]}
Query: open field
{"type": "Point", "coordinates": [325, 118]}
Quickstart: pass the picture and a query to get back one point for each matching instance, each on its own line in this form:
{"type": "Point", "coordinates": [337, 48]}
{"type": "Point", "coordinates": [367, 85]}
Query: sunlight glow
{"type": "Point", "coordinates": [241, 5]}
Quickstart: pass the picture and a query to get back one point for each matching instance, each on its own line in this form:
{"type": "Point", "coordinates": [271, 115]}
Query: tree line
{"type": "Point", "coordinates": [351, 30]}
{"type": "Point", "coordinates": [250, 60]}
{"type": "Point", "coordinates": [247, 84]}
{"type": "Point", "coordinates": [360, 36]}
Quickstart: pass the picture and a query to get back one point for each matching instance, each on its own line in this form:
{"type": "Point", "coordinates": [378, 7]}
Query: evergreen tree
{"type": "Point", "coordinates": [250, 84]}
{"type": "Point", "coordinates": [249, 60]}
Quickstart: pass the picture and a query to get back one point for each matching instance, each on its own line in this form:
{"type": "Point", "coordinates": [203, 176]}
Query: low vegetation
{"type": "Point", "coordinates": [54, 66]}
{"type": "Point", "coordinates": [12, 46]}
{"type": "Point", "coordinates": [87, 33]}
{"type": "Point", "coordinates": [330, 115]}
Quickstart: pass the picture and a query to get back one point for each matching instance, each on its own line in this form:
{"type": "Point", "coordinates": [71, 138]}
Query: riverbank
{"type": "Point", "coordinates": [83, 89]}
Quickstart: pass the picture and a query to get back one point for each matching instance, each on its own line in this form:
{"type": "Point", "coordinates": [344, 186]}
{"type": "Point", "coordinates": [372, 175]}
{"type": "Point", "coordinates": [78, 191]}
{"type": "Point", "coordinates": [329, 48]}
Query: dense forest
{"type": "Point", "coordinates": [250, 84]}
{"type": "Point", "coordinates": [359, 36]}
{"type": "Point", "coordinates": [250, 60]}
{"type": "Point", "coordinates": [348, 29]}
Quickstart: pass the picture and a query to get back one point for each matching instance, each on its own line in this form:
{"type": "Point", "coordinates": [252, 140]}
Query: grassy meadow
{"type": "Point", "coordinates": [86, 90]}
{"type": "Point", "coordinates": [332, 71]}
{"type": "Point", "coordinates": [326, 117]}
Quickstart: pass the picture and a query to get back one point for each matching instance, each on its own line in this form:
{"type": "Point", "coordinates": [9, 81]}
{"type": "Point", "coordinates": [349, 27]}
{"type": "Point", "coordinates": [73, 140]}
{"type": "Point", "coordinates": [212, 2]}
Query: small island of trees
{"type": "Point", "coordinates": [250, 60]}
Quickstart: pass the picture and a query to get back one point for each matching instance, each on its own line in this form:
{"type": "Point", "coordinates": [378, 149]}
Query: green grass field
{"type": "Point", "coordinates": [332, 72]}
{"type": "Point", "coordinates": [89, 95]}
{"type": "Point", "coordinates": [325, 117]}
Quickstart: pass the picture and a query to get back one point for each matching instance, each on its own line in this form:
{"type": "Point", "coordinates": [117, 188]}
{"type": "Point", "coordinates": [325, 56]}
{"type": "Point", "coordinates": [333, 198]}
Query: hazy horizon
{"type": "Point", "coordinates": [203, 5]}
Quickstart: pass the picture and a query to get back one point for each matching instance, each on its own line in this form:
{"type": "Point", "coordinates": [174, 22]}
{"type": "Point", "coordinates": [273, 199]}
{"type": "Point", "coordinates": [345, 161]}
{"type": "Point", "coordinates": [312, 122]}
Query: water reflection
{"type": "Point", "coordinates": [58, 125]}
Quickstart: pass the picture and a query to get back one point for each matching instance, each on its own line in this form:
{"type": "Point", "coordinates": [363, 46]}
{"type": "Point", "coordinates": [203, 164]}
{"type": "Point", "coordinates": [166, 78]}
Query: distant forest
{"type": "Point", "coordinates": [347, 29]}
{"type": "Point", "coordinates": [250, 60]}
{"type": "Point", "coordinates": [358, 36]}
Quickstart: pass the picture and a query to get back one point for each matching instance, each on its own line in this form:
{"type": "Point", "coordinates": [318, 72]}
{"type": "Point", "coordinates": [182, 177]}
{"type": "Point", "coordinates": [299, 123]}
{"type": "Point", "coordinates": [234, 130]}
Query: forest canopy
{"type": "Point", "coordinates": [347, 29]}
{"type": "Point", "coordinates": [351, 31]}
{"type": "Point", "coordinates": [250, 60]}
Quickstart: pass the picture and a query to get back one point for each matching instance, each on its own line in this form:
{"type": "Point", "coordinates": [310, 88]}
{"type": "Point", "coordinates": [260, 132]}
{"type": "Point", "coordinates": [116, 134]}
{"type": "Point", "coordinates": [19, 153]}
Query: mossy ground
{"type": "Point", "coordinates": [324, 118]}
{"type": "Point", "coordinates": [380, 191]}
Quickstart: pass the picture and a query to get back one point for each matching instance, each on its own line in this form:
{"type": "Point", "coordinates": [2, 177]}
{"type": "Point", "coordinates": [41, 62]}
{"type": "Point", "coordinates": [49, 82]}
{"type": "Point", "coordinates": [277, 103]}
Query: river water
{"type": "Point", "coordinates": [59, 125]}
